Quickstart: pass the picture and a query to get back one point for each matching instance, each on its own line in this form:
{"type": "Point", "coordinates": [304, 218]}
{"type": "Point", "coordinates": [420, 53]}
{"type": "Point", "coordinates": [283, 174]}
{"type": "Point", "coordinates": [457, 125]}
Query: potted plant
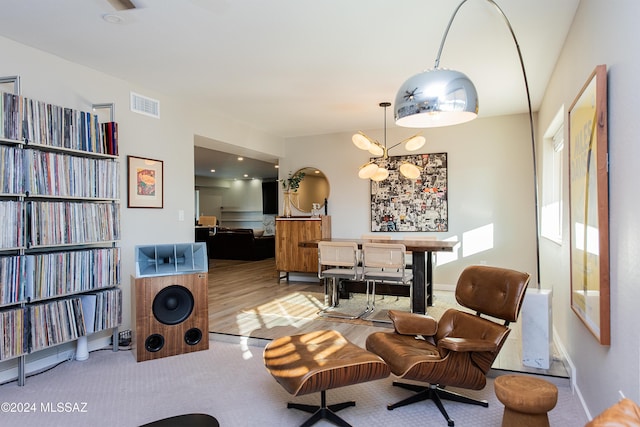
{"type": "Point", "coordinates": [290, 185]}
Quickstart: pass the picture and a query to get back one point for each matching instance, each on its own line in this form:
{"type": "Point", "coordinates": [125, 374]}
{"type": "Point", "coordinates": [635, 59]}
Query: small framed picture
{"type": "Point", "coordinates": [146, 182]}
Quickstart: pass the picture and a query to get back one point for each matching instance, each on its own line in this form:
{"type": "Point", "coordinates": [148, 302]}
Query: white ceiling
{"type": "Point", "coordinates": [300, 67]}
{"type": "Point", "coordinates": [228, 166]}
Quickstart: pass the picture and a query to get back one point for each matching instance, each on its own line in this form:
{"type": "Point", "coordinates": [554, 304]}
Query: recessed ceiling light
{"type": "Point", "coordinates": [112, 18]}
{"type": "Point", "coordinates": [240, 159]}
{"type": "Point", "coordinates": [213, 170]}
{"type": "Point", "coordinates": [246, 175]}
{"type": "Point", "coordinates": [277, 166]}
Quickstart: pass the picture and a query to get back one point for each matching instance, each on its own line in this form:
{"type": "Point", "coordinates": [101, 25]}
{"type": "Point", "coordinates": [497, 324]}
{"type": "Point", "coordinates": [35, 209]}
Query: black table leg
{"type": "Point", "coordinates": [422, 282]}
{"type": "Point", "coordinates": [419, 284]}
{"type": "Point", "coordinates": [429, 279]}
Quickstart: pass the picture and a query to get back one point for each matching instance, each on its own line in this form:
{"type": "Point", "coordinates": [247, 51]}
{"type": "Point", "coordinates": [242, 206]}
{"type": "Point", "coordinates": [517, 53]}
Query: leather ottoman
{"type": "Point", "coordinates": [319, 361]}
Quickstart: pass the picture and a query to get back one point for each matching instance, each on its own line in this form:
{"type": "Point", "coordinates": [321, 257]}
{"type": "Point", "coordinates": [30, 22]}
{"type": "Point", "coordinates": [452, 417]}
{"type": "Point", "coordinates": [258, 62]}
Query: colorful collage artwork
{"type": "Point", "coordinates": [404, 205]}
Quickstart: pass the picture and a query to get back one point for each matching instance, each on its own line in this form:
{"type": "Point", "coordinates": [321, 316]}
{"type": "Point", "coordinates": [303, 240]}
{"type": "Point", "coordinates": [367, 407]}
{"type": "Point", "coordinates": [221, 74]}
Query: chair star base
{"type": "Point", "coordinates": [435, 393]}
{"type": "Point", "coordinates": [323, 412]}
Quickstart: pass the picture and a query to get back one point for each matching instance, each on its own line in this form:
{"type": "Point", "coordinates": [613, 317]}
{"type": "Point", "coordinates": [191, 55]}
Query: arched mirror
{"type": "Point", "coordinates": [314, 188]}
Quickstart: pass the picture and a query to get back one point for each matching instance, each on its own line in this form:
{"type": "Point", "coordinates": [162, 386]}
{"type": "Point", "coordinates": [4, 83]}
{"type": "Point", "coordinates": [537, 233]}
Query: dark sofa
{"type": "Point", "coordinates": [241, 244]}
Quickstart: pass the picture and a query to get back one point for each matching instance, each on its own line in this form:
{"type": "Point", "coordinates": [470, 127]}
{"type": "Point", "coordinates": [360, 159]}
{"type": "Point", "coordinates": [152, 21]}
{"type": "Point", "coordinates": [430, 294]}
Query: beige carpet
{"type": "Point", "coordinates": [228, 381]}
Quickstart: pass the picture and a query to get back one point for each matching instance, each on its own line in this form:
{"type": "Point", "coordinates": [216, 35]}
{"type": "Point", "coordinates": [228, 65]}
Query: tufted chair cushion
{"type": "Point", "coordinates": [493, 291]}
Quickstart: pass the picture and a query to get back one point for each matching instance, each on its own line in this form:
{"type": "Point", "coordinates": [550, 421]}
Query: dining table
{"type": "Point", "coordinates": [422, 263]}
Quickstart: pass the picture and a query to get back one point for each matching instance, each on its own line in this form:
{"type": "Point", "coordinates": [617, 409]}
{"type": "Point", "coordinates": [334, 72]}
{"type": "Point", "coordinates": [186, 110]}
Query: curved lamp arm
{"type": "Point", "coordinates": [526, 84]}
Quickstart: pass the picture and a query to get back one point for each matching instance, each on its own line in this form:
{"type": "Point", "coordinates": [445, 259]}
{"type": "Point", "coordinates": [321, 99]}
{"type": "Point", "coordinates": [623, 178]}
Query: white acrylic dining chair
{"type": "Point", "coordinates": [337, 261]}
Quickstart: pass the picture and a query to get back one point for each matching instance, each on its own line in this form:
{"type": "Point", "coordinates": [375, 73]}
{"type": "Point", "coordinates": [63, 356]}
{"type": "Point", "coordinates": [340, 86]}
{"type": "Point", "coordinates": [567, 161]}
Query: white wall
{"type": "Point", "coordinates": [171, 139]}
{"type": "Point", "coordinates": [603, 33]}
{"type": "Point", "coordinates": [490, 182]}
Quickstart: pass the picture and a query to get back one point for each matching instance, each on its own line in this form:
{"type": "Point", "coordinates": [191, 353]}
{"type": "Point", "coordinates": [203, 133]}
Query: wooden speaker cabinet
{"type": "Point", "coordinates": [171, 315]}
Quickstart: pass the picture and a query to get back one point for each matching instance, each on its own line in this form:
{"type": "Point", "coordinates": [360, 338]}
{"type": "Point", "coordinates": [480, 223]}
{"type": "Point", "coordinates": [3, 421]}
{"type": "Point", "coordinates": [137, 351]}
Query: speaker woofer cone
{"type": "Point", "coordinates": [154, 343]}
{"type": "Point", "coordinates": [193, 336]}
{"type": "Point", "coordinates": [173, 305]}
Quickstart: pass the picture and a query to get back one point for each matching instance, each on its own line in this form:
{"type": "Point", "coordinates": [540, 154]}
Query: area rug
{"type": "Point", "coordinates": [301, 308]}
{"type": "Point", "coordinates": [298, 312]}
{"type": "Point", "coordinates": [293, 306]}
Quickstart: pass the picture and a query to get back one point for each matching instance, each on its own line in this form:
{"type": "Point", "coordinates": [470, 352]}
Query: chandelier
{"type": "Point", "coordinates": [373, 169]}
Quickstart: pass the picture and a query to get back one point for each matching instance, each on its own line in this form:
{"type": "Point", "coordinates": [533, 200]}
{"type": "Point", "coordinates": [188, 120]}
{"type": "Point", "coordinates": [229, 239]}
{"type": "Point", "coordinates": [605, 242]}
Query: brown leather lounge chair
{"type": "Point", "coordinates": [458, 349]}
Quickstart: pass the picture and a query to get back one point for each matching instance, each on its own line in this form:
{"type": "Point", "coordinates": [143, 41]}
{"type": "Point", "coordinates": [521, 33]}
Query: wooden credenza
{"type": "Point", "coordinates": [290, 257]}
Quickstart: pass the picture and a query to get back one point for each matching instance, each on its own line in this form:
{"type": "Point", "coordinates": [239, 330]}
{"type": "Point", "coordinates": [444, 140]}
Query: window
{"type": "Point", "coordinates": [552, 161]}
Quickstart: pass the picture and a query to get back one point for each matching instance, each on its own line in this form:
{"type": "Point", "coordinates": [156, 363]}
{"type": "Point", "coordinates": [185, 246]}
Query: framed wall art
{"type": "Point", "coordinates": [589, 205]}
{"type": "Point", "coordinates": [406, 205]}
{"type": "Point", "coordinates": [146, 182]}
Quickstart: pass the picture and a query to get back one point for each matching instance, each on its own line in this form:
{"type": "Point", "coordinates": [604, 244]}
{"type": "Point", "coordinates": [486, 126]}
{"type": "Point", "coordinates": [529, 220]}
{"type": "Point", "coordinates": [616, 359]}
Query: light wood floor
{"type": "Point", "coordinates": [235, 286]}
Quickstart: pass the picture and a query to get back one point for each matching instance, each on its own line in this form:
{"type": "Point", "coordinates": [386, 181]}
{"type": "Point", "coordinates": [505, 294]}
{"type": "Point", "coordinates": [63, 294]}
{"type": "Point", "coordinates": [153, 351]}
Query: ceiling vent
{"type": "Point", "coordinates": [144, 105]}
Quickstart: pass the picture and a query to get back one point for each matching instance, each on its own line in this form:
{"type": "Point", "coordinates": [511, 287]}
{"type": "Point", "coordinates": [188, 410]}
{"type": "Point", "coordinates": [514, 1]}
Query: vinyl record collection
{"type": "Point", "coordinates": [10, 116]}
{"type": "Point", "coordinates": [102, 310]}
{"type": "Point", "coordinates": [43, 276]}
{"type": "Point", "coordinates": [63, 273]}
{"type": "Point", "coordinates": [12, 322]}
{"type": "Point", "coordinates": [71, 223]}
{"type": "Point", "coordinates": [13, 278]}
{"type": "Point", "coordinates": [62, 175]}
{"type": "Point", "coordinates": [12, 224]}
{"type": "Point", "coordinates": [67, 319]}
{"type": "Point", "coordinates": [11, 178]}
{"type": "Point", "coordinates": [46, 124]}
{"type": "Point", "coordinates": [59, 204]}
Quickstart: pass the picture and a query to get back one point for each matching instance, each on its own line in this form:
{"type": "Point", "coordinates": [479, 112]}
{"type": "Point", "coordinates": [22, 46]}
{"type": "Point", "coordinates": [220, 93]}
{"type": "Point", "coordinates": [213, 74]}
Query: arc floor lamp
{"type": "Point", "coordinates": [444, 97]}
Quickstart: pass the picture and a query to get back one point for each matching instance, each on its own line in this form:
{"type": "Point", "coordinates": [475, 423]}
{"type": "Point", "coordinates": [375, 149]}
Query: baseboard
{"type": "Point", "coordinates": [303, 277]}
{"type": "Point", "coordinates": [43, 360]}
{"type": "Point", "coordinates": [571, 368]}
{"type": "Point", "coordinates": [444, 287]}
{"type": "Point", "coordinates": [566, 360]}
{"type": "Point", "coordinates": [238, 339]}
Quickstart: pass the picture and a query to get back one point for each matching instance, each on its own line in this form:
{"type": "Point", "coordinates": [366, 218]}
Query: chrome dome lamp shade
{"type": "Point", "coordinates": [434, 98]}
{"type": "Point", "coordinates": [437, 97]}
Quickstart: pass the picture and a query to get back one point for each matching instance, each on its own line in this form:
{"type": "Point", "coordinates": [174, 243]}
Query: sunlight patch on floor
{"type": "Point", "coordinates": [296, 310]}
